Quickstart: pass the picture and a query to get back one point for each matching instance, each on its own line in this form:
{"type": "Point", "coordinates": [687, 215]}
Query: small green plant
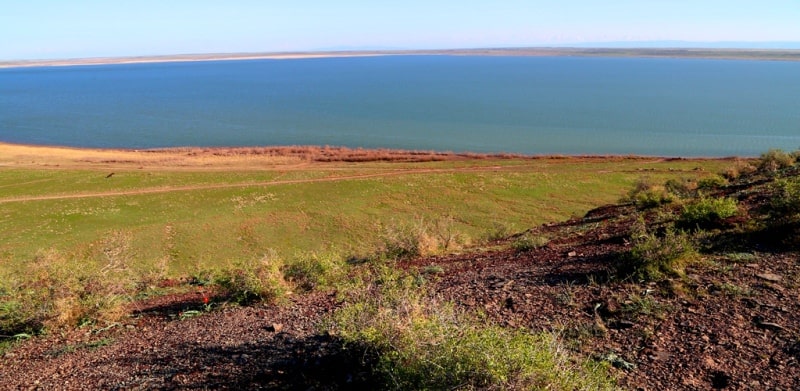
{"type": "Point", "coordinates": [708, 211]}
{"type": "Point", "coordinates": [433, 269]}
{"type": "Point", "coordinates": [646, 305]}
{"type": "Point", "coordinates": [528, 242]}
{"type": "Point", "coordinates": [741, 257]}
{"type": "Point", "coordinates": [653, 257]}
{"type": "Point", "coordinates": [731, 289]}
{"type": "Point", "coordinates": [784, 200]}
{"type": "Point", "coordinates": [711, 183]}
{"type": "Point", "coordinates": [499, 231]}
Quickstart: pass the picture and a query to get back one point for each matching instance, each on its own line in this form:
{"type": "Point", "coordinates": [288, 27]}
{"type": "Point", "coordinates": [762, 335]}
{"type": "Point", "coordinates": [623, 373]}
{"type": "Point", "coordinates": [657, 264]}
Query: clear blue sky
{"type": "Point", "coordinates": [39, 29]}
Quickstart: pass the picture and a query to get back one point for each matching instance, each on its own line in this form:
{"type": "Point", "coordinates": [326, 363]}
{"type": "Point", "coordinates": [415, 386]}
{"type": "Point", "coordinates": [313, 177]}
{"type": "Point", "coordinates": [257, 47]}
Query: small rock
{"type": "Point", "coordinates": [770, 326]}
{"type": "Point", "coordinates": [767, 325]}
{"type": "Point", "coordinates": [572, 254]}
{"type": "Point", "coordinates": [720, 380]}
{"type": "Point", "coordinates": [620, 324]}
{"type": "Point", "coordinates": [661, 356]}
{"type": "Point", "coordinates": [275, 327]}
{"type": "Point", "coordinates": [769, 277]}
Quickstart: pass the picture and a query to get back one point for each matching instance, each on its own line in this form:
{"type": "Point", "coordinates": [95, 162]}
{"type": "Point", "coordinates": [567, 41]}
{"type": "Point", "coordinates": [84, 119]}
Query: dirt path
{"type": "Point", "coordinates": [243, 185]}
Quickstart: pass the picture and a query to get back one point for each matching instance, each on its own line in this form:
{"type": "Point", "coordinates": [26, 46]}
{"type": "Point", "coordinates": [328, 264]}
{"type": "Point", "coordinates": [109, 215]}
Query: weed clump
{"type": "Point", "coordinates": [422, 238]}
{"type": "Point", "coordinates": [58, 293]}
{"type": "Point", "coordinates": [654, 257]}
{"type": "Point", "coordinates": [253, 280]}
{"type": "Point", "coordinates": [784, 202]}
{"type": "Point", "coordinates": [528, 242]}
{"type": "Point", "coordinates": [426, 344]}
{"type": "Point", "coordinates": [712, 182]}
{"type": "Point", "coordinates": [310, 271]}
{"type": "Point", "coordinates": [708, 211]}
{"type": "Point", "coordinates": [646, 195]}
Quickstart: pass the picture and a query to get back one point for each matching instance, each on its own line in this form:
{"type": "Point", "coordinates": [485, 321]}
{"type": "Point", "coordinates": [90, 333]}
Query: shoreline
{"type": "Point", "coordinates": [212, 158]}
{"type": "Point", "coordinates": [709, 54]}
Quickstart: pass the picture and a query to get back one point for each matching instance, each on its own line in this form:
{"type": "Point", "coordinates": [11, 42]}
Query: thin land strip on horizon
{"type": "Point", "coordinates": [722, 54]}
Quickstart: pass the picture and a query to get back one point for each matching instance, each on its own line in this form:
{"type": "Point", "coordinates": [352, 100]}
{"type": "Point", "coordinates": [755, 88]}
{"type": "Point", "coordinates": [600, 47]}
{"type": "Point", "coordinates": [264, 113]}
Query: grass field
{"type": "Point", "coordinates": [184, 214]}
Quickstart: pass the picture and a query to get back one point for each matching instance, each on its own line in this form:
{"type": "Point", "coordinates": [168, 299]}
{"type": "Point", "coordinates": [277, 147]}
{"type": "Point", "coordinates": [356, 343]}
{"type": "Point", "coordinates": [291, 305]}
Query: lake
{"type": "Point", "coordinates": [530, 105]}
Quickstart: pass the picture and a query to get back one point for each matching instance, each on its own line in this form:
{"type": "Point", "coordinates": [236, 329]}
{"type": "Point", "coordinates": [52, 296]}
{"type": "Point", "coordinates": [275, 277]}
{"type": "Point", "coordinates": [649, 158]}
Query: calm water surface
{"type": "Point", "coordinates": [532, 105]}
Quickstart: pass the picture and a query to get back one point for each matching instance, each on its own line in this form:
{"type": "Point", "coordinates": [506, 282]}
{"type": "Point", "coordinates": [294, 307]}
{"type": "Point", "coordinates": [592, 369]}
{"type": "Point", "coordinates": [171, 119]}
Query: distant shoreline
{"type": "Point", "coordinates": [719, 54]}
{"type": "Point", "coordinates": [32, 155]}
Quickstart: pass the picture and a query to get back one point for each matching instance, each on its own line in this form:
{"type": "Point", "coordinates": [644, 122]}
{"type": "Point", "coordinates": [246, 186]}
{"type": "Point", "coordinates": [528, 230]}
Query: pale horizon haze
{"type": "Point", "coordinates": [50, 29]}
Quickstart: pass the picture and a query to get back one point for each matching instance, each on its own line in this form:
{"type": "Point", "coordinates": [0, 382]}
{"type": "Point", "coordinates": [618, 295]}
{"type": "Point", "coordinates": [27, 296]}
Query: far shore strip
{"type": "Point", "coordinates": [722, 54]}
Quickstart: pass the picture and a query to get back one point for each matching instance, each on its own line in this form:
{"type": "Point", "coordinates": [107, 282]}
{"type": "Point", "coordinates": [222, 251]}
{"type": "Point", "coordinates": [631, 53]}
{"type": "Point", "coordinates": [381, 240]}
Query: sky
{"type": "Point", "coordinates": [56, 29]}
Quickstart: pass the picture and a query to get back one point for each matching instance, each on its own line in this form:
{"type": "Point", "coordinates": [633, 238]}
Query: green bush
{"type": "Point", "coordinates": [705, 211]}
{"type": "Point", "coordinates": [784, 200]}
{"type": "Point", "coordinates": [653, 257]}
{"type": "Point", "coordinates": [425, 344]}
{"type": "Point", "coordinates": [646, 195]}
{"type": "Point", "coordinates": [310, 271]}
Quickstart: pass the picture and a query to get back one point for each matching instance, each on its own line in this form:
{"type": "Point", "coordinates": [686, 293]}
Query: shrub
{"type": "Point", "coordinates": [646, 195]}
{"type": "Point", "coordinates": [426, 344]}
{"type": "Point", "coordinates": [680, 187]}
{"type": "Point", "coordinates": [422, 238]}
{"type": "Point", "coordinates": [737, 170]}
{"type": "Point", "coordinates": [784, 200]}
{"type": "Point", "coordinates": [312, 270]}
{"type": "Point", "coordinates": [59, 292]}
{"type": "Point", "coordinates": [498, 231]}
{"type": "Point", "coordinates": [711, 183]}
{"type": "Point", "coordinates": [653, 257]}
{"type": "Point", "coordinates": [253, 280]}
{"type": "Point", "coordinates": [527, 242]}
{"type": "Point", "coordinates": [708, 211]}
{"type": "Point", "coordinates": [774, 160]}
{"type": "Point", "coordinates": [401, 242]}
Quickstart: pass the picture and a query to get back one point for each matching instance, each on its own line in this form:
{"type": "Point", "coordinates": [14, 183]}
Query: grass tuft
{"type": "Point", "coordinates": [253, 280]}
{"type": "Point", "coordinates": [654, 257]}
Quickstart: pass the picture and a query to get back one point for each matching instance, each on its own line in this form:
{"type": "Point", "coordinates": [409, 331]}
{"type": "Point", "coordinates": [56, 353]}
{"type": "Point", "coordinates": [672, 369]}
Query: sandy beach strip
{"type": "Point", "coordinates": [722, 54]}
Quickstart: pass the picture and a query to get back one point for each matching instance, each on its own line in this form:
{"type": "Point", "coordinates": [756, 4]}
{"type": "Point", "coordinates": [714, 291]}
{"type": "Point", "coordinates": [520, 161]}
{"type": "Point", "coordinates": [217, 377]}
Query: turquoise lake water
{"type": "Point", "coordinates": [531, 105]}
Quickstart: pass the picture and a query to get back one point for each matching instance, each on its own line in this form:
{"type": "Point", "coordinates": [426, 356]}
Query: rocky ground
{"type": "Point", "coordinates": [731, 322]}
